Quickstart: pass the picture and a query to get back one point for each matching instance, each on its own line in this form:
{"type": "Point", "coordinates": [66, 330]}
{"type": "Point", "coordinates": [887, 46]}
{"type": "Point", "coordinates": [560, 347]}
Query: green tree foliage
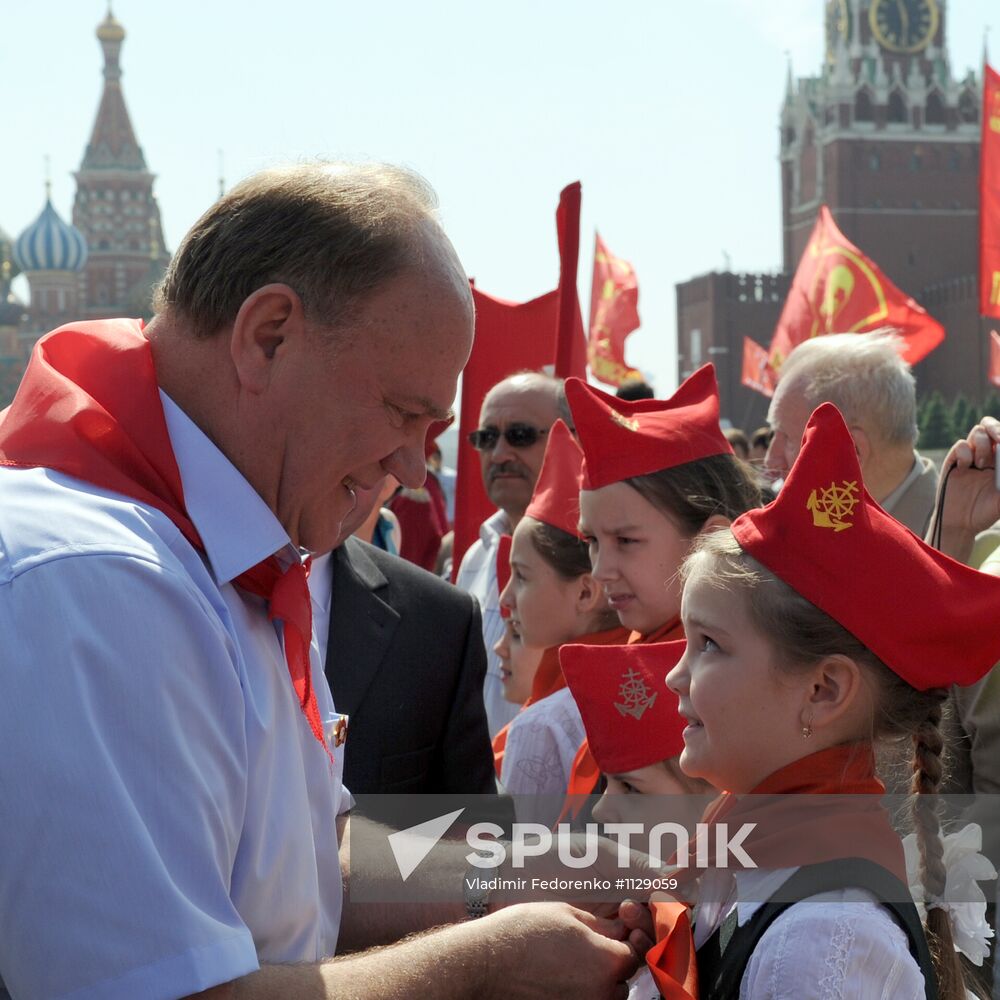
{"type": "Point", "coordinates": [934, 420]}
{"type": "Point", "coordinates": [963, 415]}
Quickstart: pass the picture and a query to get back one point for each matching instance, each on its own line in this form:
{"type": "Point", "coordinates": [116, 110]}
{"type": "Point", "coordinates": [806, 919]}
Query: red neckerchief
{"type": "Point", "coordinates": [802, 821]}
{"type": "Point", "coordinates": [801, 818]}
{"type": "Point", "coordinates": [549, 679]}
{"type": "Point", "coordinates": [89, 406]}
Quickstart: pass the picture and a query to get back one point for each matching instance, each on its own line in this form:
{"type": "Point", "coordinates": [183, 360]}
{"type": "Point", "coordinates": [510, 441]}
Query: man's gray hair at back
{"type": "Point", "coordinates": [864, 376]}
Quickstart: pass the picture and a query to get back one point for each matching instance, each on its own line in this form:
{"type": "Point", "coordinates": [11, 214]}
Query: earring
{"type": "Point", "coordinates": [807, 730]}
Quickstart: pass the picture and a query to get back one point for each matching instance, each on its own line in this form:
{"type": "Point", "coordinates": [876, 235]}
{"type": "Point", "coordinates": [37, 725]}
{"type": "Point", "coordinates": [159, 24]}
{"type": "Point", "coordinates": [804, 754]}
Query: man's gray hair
{"type": "Point", "coordinates": [864, 376]}
{"type": "Point", "coordinates": [334, 232]}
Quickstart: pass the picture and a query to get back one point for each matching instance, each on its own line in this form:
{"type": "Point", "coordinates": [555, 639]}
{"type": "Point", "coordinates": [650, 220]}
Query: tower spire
{"type": "Point", "coordinates": [113, 144]}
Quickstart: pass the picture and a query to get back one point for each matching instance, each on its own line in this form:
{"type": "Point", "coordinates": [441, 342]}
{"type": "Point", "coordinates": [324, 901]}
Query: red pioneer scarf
{"type": "Point", "coordinates": [800, 819]}
{"type": "Point", "coordinates": [89, 406]}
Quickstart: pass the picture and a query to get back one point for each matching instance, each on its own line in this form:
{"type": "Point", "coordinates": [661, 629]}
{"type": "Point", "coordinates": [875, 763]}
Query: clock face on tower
{"type": "Point", "coordinates": [904, 26]}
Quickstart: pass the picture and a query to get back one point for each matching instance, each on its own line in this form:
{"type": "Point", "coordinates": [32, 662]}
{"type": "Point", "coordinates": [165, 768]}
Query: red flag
{"type": "Point", "coordinates": [513, 337]}
{"type": "Point", "coordinates": [570, 356]}
{"type": "Point", "coordinates": [989, 197]}
{"type": "Point", "coordinates": [837, 289]}
{"type": "Point", "coordinates": [757, 371]}
{"type": "Point", "coordinates": [994, 369]}
{"type": "Point", "coordinates": [614, 314]}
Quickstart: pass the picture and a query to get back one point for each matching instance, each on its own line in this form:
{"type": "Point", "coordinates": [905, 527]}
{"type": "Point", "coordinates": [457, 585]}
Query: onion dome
{"type": "Point", "coordinates": [49, 244]}
{"type": "Point", "coordinates": [110, 29]}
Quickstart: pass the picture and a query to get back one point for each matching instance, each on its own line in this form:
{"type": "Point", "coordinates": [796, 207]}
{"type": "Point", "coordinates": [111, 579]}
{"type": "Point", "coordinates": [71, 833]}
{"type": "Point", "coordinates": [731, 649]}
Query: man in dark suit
{"type": "Point", "coordinates": [405, 662]}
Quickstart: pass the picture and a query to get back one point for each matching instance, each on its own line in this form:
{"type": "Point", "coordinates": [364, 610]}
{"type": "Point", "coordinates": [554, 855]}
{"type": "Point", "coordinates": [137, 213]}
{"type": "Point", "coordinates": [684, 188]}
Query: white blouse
{"type": "Point", "coordinates": [840, 945]}
{"type": "Point", "coordinates": [542, 743]}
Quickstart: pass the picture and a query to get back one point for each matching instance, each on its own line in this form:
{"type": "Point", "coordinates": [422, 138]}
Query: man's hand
{"type": "Point", "coordinates": [540, 949]}
{"type": "Point", "coordinates": [972, 502]}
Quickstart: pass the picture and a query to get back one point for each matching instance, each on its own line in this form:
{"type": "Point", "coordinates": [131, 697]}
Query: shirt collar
{"type": "Point", "coordinates": [894, 497]}
{"type": "Point", "coordinates": [236, 527]}
{"type": "Point", "coordinates": [493, 527]}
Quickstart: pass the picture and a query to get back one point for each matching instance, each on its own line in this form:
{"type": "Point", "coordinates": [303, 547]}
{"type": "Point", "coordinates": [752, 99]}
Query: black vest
{"type": "Point", "coordinates": [721, 966]}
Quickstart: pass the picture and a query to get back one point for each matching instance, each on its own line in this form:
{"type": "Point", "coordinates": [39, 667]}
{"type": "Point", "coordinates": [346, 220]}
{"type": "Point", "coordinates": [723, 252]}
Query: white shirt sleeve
{"type": "Point", "coordinates": [833, 948]}
{"type": "Point", "coordinates": [122, 782]}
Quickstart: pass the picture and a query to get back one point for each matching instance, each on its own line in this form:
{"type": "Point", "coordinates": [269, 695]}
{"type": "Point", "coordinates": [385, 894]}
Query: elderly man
{"type": "Point", "coordinates": [513, 424]}
{"type": "Point", "coordinates": [869, 382]}
{"type": "Point", "coordinates": [173, 807]}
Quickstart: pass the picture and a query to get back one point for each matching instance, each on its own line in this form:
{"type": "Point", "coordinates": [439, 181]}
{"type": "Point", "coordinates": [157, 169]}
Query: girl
{"type": "Point", "coordinates": [634, 732]}
{"type": "Point", "coordinates": [552, 598]}
{"type": "Point", "coordinates": [800, 657]}
{"type": "Point", "coordinates": [657, 474]}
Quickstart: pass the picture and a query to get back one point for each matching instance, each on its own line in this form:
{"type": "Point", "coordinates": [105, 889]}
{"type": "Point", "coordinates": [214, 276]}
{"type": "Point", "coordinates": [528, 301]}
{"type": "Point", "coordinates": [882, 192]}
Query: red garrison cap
{"type": "Point", "coordinates": [622, 439]}
{"type": "Point", "coordinates": [628, 711]}
{"type": "Point", "coordinates": [930, 619]}
{"type": "Point", "coordinates": [436, 429]}
{"type": "Point", "coordinates": [503, 568]}
{"type": "Point", "coordinates": [556, 499]}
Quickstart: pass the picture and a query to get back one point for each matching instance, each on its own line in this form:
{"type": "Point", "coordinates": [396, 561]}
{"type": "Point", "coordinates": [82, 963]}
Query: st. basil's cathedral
{"type": "Point", "coordinates": [106, 261]}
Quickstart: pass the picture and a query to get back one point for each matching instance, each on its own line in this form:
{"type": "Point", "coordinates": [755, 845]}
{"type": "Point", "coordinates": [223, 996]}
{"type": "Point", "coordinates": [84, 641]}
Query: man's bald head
{"type": "Point", "coordinates": [527, 399]}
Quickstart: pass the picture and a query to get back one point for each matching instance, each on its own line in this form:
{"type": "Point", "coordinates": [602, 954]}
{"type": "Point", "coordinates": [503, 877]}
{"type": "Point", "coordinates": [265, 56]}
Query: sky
{"type": "Point", "coordinates": [666, 111]}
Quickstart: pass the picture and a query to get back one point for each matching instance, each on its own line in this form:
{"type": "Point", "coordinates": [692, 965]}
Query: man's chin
{"type": "Point", "coordinates": [509, 494]}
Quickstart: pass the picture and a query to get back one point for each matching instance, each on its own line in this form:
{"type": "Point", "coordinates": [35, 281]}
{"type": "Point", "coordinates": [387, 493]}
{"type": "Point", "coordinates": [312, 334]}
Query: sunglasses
{"type": "Point", "coordinates": [516, 435]}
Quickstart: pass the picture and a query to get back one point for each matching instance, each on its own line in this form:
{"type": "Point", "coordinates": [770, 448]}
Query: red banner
{"type": "Point", "coordinates": [513, 337]}
{"type": "Point", "coordinates": [837, 289]}
{"type": "Point", "coordinates": [571, 347]}
{"type": "Point", "coordinates": [989, 197]}
{"type": "Point", "coordinates": [994, 369]}
{"type": "Point", "coordinates": [757, 371]}
{"type": "Point", "coordinates": [614, 314]}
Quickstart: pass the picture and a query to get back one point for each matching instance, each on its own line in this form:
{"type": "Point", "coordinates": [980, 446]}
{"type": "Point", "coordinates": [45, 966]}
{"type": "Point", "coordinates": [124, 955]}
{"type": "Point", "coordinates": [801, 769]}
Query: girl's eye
{"type": "Point", "coordinates": [629, 788]}
{"type": "Point", "coordinates": [708, 645]}
{"type": "Point", "coordinates": [626, 541]}
{"type": "Point", "coordinates": [518, 576]}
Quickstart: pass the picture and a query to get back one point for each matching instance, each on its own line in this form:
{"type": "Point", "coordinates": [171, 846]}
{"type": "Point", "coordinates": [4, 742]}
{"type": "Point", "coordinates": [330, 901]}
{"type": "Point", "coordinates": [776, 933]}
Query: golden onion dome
{"type": "Point", "coordinates": [110, 29]}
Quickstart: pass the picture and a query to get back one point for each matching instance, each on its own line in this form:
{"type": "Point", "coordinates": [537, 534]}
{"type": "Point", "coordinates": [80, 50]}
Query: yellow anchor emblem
{"type": "Point", "coordinates": [630, 424]}
{"type": "Point", "coordinates": [831, 507]}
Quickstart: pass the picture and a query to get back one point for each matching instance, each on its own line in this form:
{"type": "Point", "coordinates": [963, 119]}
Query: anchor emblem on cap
{"type": "Point", "coordinates": [629, 423]}
{"type": "Point", "coordinates": [831, 507]}
{"type": "Point", "coordinates": [635, 694]}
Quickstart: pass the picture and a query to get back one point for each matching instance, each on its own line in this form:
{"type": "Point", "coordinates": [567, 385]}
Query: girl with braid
{"type": "Point", "coordinates": [816, 628]}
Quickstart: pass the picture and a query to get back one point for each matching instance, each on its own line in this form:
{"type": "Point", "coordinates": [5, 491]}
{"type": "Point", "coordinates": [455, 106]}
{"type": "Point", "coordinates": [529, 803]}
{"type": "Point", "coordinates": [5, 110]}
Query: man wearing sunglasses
{"type": "Point", "coordinates": [513, 427]}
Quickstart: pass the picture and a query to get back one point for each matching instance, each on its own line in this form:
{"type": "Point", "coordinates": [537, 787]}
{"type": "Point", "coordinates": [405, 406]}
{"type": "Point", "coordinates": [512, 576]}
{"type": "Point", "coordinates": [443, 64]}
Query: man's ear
{"type": "Point", "coordinates": [862, 444]}
{"type": "Point", "coordinates": [270, 320]}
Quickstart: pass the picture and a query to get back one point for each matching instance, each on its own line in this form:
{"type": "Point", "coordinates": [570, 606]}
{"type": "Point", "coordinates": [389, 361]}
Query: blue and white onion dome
{"type": "Point", "coordinates": [49, 244]}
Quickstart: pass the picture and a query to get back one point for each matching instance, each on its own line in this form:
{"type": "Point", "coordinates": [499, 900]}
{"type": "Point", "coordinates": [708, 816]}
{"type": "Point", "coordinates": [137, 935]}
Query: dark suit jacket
{"type": "Point", "coordinates": [405, 661]}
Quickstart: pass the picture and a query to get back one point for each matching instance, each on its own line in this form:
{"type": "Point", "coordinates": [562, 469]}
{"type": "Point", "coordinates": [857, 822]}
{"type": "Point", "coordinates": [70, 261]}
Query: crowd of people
{"type": "Point", "coordinates": [217, 633]}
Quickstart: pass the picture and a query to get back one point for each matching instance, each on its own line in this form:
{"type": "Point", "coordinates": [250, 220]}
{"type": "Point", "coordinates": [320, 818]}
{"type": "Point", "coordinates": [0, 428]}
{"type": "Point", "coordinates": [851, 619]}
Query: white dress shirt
{"type": "Point", "coordinates": [168, 815]}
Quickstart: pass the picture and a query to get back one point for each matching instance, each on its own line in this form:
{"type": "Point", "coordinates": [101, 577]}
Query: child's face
{"type": "Point", "coordinates": [542, 604]}
{"type": "Point", "coordinates": [636, 551]}
{"type": "Point", "coordinates": [518, 665]}
{"type": "Point", "coordinates": [634, 797]}
{"type": "Point", "coordinates": [745, 715]}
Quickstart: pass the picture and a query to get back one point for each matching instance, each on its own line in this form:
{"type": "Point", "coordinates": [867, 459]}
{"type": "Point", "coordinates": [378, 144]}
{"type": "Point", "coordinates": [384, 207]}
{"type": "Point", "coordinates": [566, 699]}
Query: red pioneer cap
{"type": "Point", "coordinates": [556, 499]}
{"type": "Point", "coordinates": [622, 438]}
{"type": "Point", "coordinates": [628, 711]}
{"type": "Point", "coordinates": [929, 618]}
